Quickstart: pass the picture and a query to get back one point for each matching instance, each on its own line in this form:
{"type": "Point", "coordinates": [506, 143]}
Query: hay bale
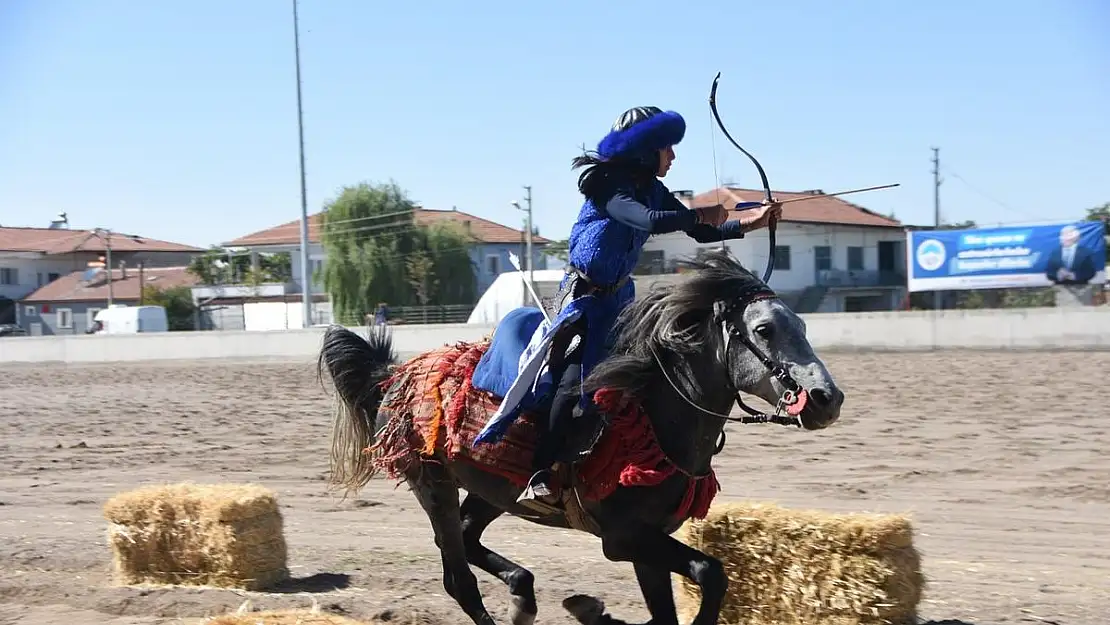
{"type": "Point", "coordinates": [228, 535]}
{"type": "Point", "coordinates": [283, 617]}
{"type": "Point", "coordinates": [792, 567]}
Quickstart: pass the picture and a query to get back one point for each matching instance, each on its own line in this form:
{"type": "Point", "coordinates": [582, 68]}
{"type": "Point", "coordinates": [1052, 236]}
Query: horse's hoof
{"type": "Point", "coordinates": [584, 608]}
{"type": "Point", "coordinates": [522, 611]}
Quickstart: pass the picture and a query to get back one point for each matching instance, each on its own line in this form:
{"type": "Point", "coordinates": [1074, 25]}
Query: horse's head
{"type": "Point", "coordinates": [723, 326]}
{"type": "Point", "coordinates": [763, 345]}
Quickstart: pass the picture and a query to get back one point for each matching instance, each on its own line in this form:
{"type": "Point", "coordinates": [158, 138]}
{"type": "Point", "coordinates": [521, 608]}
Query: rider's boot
{"type": "Point", "coordinates": [541, 485]}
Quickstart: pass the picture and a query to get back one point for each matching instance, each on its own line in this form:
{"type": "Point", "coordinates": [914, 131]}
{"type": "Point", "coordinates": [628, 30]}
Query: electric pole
{"type": "Point", "coordinates": [528, 234]}
{"type": "Point", "coordinates": [306, 274]}
{"type": "Point", "coordinates": [936, 209]}
{"type": "Point", "coordinates": [936, 186]}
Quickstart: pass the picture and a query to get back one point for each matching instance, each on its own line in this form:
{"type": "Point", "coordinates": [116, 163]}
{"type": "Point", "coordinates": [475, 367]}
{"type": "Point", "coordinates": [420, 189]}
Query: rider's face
{"type": "Point", "coordinates": [666, 157]}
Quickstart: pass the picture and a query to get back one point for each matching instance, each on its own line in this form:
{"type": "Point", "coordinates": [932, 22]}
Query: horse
{"type": "Point", "coordinates": [679, 358]}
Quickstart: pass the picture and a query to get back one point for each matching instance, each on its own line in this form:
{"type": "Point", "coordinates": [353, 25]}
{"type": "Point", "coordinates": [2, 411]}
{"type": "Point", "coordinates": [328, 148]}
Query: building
{"type": "Point", "coordinates": [830, 255]}
{"type": "Point", "coordinates": [489, 255]}
{"type": "Point", "coordinates": [68, 305]}
{"type": "Point", "coordinates": [31, 258]}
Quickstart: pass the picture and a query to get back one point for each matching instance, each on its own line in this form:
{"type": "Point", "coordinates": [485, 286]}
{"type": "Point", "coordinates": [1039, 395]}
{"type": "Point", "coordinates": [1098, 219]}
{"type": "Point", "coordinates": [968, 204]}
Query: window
{"type": "Point", "coordinates": [493, 264]}
{"type": "Point", "coordinates": [29, 311]}
{"type": "Point", "coordinates": [53, 276]}
{"type": "Point", "coordinates": [65, 319]}
{"type": "Point", "coordinates": [9, 276]}
{"type": "Point", "coordinates": [822, 257]}
{"type": "Point", "coordinates": [782, 257]}
{"type": "Point", "coordinates": [91, 318]}
{"type": "Point", "coordinates": [855, 259]}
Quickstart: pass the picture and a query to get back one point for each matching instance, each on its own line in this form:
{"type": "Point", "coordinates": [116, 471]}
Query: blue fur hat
{"type": "Point", "coordinates": [651, 133]}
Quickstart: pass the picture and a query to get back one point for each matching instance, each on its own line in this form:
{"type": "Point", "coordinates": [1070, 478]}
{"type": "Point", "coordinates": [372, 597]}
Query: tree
{"type": "Point", "coordinates": [421, 276]}
{"type": "Point", "coordinates": [369, 233]}
{"type": "Point", "coordinates": [178, 302]}
{"type": "Point", "coordinates": [559, 249]}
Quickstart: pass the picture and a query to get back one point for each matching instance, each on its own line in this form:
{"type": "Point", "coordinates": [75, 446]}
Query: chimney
{"type": "Point", "coordinates": [686, 196]}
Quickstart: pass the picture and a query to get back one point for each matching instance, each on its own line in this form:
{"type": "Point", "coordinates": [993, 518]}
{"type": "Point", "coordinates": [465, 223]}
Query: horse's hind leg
{"type": "Point", "coordinates": [477, 514]}
{"type": "Point", "coordinates": [439, 497]}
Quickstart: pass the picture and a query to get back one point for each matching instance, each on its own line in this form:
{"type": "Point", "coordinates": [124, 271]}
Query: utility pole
{"type": "Point", "coordinates": [936, 209]}
{"type": "Point", "coordinates": [527, 234]}
{"type": "Point", "coordinates": [306, 274]}
{"type": "Point", "coordinates": [108, 263]}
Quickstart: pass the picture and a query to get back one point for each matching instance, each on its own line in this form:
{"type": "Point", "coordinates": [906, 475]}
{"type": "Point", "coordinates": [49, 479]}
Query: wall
{"type": "Point", "coordinates": [31, 272]}
{"type": "Point", "coordinates": [479, 256]}
{"type": "Point", "coordinates": [1048, 328]}
{"type": "Point", "coordinates": [752, 250]}
{"type": "Point", "coordinates": [80, 315]}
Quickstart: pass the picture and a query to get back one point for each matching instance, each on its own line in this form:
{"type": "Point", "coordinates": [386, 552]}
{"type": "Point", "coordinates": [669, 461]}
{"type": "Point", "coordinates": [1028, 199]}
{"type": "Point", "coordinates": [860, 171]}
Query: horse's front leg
{"type": "Point", "coordinates": [655, 555]}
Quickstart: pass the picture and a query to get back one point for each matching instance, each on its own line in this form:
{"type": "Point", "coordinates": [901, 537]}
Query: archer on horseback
{"type": "Point", "coordinates": [625, 203]}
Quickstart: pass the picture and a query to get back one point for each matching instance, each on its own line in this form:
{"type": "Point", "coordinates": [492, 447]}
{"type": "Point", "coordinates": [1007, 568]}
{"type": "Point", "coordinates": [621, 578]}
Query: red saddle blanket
{"type": "Point", "coordinates": [433, 409]}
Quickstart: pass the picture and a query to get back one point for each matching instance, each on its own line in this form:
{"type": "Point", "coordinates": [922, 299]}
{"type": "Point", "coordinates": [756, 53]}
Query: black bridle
{"type": "Point", "coordinates": [794, 394]}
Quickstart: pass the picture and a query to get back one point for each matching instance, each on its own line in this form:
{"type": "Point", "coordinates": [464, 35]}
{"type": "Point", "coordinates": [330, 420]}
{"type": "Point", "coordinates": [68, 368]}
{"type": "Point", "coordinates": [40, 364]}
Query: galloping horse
{"type": "Point", "coordinates": [681, 356]}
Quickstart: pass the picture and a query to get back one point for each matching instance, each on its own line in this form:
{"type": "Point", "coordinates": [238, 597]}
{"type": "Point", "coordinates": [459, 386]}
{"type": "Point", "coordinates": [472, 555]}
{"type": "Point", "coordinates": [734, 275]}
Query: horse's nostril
{"type": "Point", "coordinates": [820, 397]}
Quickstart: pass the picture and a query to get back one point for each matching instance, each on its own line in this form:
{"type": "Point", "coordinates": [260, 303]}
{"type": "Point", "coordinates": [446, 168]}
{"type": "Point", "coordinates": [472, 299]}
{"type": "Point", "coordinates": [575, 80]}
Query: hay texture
{"type": "Point", "coordinates": [794, 567]}
{"type": "Point", "coordinates": [227, 535]}
{"type": "Point", "coordinates": [283, 617]}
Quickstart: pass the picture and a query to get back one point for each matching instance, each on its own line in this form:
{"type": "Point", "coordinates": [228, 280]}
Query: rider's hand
{"type": "Point", "coordinates": [761, 217]}
{"type": "Point", "coordinates": [712, 215]}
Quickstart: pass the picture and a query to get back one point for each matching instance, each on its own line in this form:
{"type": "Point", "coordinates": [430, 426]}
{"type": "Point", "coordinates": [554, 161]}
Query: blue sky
{"type": "Point", "coordinates": [176, 119]}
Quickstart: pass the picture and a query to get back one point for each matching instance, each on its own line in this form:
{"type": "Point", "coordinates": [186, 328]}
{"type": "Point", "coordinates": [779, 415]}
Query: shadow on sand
{"type": "Point", "coordinates": [320, 582]}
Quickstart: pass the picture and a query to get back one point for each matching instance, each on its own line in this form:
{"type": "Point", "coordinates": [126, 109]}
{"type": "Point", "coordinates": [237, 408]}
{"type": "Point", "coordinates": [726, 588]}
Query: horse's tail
{"type": "Point", "coordinates": [357, 367]}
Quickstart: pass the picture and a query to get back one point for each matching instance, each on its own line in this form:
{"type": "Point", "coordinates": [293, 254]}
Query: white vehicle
{"type": "Point", "coordinates": [131, 320]}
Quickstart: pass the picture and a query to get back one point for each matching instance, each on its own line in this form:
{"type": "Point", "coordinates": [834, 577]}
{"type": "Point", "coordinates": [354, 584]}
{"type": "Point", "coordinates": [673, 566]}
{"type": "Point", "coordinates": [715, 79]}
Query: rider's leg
{"type": "Point", "coordinates": [567, 375]}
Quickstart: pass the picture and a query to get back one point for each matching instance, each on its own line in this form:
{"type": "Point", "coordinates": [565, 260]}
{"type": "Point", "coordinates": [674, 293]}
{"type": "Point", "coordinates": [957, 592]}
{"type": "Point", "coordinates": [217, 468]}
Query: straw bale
{"type": "Point", "coordinates": [790, 567]}
{"type": "Point", "coordinates": [227, 535]}
{"type": "Point", "coordinates": [283, 617]}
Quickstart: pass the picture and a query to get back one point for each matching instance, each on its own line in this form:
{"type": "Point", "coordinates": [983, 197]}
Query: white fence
{"type": "Point", "coordinates": [1047, 328]}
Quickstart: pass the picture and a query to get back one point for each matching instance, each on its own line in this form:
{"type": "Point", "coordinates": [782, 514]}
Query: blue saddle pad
{"type": "Point", "coordinates": [499, 366]}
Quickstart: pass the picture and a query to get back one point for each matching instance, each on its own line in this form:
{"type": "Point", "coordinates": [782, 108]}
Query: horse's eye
{"type": "Point", "coordinates": [765, 331]}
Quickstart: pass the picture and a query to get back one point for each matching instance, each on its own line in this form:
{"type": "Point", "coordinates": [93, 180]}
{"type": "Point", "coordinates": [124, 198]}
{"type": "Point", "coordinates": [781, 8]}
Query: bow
{"type": "Point", "coordinates": [762, 175]}
{"type": "Point", "coordinates": [766, 185]}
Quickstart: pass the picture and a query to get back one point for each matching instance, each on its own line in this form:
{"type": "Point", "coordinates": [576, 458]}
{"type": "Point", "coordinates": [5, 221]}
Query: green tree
{"type": "Point", "coordinates": [178, 302]}
{"type": "Point", "coordinates": [559, 249]}
{"type": "Point", "coordinates": [369, 233]}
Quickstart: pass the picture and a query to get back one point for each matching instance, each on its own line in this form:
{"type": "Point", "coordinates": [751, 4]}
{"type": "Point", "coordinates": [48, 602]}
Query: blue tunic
{"type": "Point", "coordinates": [604, 244]}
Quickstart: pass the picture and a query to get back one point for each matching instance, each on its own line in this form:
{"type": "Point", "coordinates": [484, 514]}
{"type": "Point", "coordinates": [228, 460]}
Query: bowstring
{"type": "Point", "coordinates": [716, 179]}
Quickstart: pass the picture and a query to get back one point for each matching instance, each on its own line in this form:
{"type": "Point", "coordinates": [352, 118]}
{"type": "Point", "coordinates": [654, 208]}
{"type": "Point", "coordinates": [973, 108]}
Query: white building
{"type": "Point", "coordinates": [31, 258]}
{"type": "Point", "coordinates": [831, 255]}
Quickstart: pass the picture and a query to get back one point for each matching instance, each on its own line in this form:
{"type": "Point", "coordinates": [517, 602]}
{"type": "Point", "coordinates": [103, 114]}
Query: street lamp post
{"type": "Point", "coordinates": [528, 230]}
{"type": "Point", "coordinates": [306, 280]}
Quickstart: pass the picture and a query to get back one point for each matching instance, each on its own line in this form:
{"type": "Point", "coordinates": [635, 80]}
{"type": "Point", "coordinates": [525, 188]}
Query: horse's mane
{"type": "Point", "coordinates": [669, 320]}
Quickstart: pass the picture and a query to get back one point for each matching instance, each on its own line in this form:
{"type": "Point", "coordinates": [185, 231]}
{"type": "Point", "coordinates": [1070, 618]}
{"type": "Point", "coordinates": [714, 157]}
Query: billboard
{"type": "Point", "coordinates": [1006, 257]}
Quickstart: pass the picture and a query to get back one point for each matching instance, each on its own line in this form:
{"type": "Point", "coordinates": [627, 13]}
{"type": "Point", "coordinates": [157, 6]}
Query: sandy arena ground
{"type": "Point", "coordinates": [1001, 457]}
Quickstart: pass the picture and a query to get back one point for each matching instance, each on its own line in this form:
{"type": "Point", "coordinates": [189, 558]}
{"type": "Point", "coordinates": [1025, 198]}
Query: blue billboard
{"type": "Point", "coordinates": [1006, 257]}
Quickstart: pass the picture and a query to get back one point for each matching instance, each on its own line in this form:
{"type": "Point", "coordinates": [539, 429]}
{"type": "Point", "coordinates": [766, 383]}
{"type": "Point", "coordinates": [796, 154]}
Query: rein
{"type": "Point", "coordinates": [793, 400]}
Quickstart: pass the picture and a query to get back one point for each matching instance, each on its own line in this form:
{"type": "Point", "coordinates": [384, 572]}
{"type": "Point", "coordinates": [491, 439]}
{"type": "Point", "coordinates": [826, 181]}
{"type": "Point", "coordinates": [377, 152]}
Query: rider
{"type": "Point", "coordinates": [625, 203]}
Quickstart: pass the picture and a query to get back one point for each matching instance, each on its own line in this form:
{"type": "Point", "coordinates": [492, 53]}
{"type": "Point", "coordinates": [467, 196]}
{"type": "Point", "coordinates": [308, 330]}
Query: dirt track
{"type": "Point", "coordinates": [1001, 457]}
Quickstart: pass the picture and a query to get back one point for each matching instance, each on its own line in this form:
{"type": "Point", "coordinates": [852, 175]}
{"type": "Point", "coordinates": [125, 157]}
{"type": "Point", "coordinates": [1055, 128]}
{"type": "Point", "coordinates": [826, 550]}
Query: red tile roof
{"type": "Point", "coordinates": [826, 210]}
{"type": "Point", "coordinates": [65, 241]}
{"type": "Point", "coordinates": [484, 230]}
{"type": "Point", "coordinates": [71, 287]}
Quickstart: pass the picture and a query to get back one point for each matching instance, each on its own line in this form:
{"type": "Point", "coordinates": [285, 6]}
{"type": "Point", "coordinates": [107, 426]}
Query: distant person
{"type": "Point", "coordinates": [1071, 263]}
{"type": "Point", "coordinates": [381, 315]}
